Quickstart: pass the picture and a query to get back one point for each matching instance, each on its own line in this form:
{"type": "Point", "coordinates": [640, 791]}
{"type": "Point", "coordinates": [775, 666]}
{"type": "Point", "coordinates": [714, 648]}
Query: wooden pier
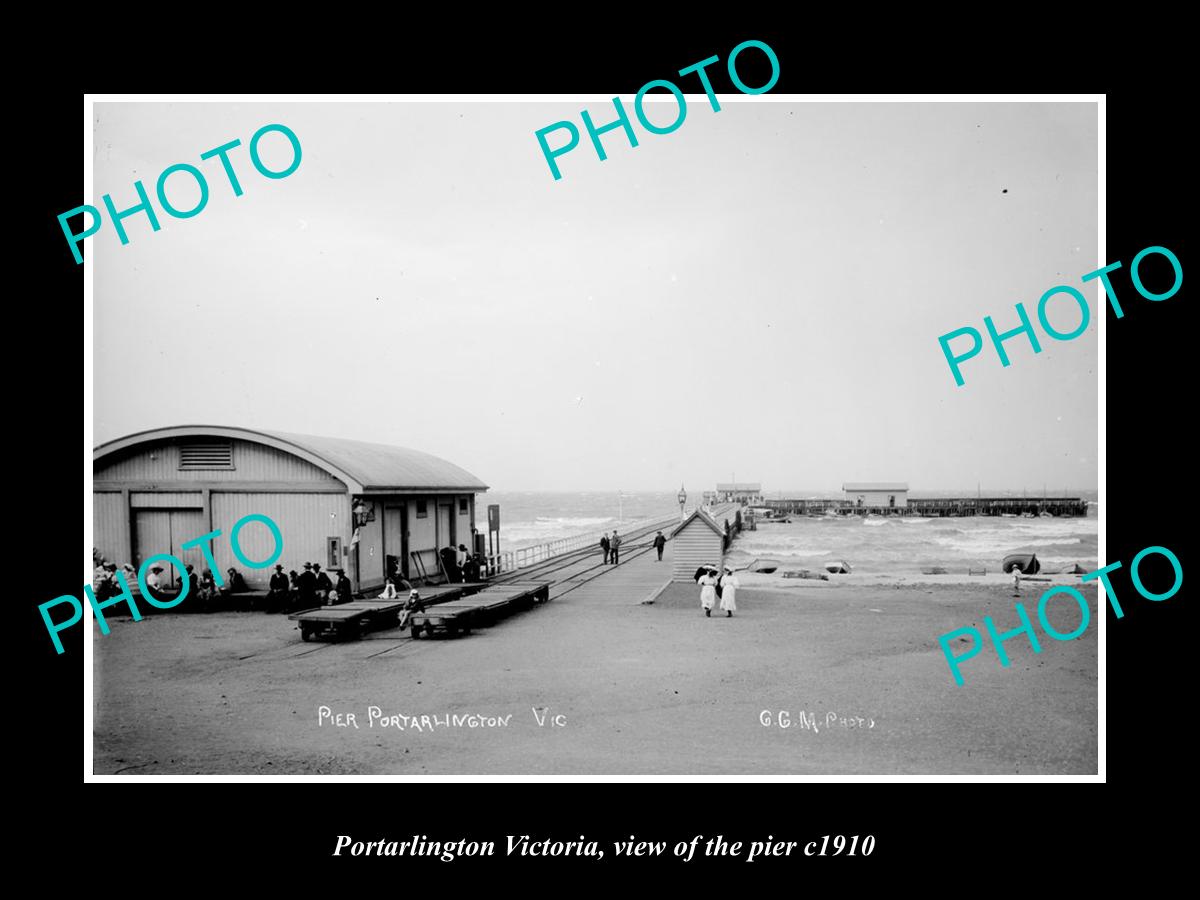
{"type": "Point", "coordinates": [938, 507]}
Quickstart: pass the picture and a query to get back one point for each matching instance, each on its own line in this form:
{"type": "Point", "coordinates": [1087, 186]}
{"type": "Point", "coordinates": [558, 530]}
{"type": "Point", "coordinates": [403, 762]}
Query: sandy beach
{"type": "Point", "coordinates": [599, 682]}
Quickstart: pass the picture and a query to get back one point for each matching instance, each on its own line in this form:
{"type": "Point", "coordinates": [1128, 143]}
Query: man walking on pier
{"type": "Point", "coordinates": [615, 546]}
{"type": "Point", "coordinates": [659, 543]}
{"type": "Point", "coordinates": [604, 545]}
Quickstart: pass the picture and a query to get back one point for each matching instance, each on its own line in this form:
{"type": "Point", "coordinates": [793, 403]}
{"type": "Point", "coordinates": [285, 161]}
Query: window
{"type": "Point", "coordinates": [462, 506]}
{"type": "Point", "coordinates": [206, 455]}
{"type": "Point", "coordinates": [422, 509]}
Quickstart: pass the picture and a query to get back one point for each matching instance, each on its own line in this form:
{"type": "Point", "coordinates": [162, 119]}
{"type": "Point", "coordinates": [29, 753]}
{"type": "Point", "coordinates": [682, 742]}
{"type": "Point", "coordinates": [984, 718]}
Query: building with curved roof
{"type": "Point", "coordinates": [367, 508]}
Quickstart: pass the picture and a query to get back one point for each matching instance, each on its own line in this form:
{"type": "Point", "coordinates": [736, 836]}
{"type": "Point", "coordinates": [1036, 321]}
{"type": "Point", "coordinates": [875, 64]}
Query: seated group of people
{"type": "Point", "coordinates": [202, 589]}
{"type": "Point", "coordinates": [460, 565]}
{"type": "Point", "coordinates": [304, 590]}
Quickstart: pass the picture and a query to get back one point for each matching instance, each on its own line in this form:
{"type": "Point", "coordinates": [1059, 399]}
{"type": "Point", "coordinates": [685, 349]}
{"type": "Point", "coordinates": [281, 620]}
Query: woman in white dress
{"type": "Point", "coordinates": [729, 586]}
{"type": "Point", "coordinates": [708, 590]}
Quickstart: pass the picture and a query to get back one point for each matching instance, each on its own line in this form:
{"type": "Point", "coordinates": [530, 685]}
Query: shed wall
{"type": "Point", "coordinates": [252, 462]}
{"type": "Point", "coordinates": [110, 534]}
{"type": "Point", "coordinates": [305, 521]}
{"type": "Point", "coordinates": [696, 545]}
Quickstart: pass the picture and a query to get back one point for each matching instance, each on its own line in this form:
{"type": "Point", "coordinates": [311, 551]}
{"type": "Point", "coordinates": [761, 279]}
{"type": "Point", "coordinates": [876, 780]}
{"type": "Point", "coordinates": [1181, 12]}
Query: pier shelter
{"type": "Point", "coordinates": [698, 541]}
{"type": "Point", "coordinates": [739, 492]}
{"type": "Point", "coordinates": [890, 494]}
{"type": "Point", "coordinates": [367, 508]}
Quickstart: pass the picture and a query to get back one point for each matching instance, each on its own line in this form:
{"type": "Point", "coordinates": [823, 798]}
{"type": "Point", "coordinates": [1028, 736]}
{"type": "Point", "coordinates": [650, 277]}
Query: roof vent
{"type": "Point", "coordinates": [206, 455]}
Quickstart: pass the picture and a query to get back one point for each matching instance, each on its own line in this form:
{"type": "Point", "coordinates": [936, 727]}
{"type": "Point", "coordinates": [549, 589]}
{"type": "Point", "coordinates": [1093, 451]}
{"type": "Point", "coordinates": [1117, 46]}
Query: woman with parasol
{"type": "Point", "coordinates": [708, 589]}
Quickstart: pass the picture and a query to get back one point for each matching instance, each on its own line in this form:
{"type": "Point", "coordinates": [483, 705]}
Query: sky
{"type": "Point", "coordinates": [757, 295]}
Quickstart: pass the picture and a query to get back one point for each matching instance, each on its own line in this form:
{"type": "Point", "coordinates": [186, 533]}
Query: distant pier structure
{"type": "Point", "coordinates": [876, 493]}
{"type": "Point", "coordinates": [932, 507]}
{"type": "Point", "coordinates": [743, 492]}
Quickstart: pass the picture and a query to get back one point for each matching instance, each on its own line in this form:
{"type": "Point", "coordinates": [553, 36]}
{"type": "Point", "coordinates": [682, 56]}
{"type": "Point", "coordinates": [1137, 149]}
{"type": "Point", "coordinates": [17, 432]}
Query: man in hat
{"type": "Point", "coordinates": [614, 545]}
{"type": "Point", "coordinates": [277, 595]}
{"type": "Point", "coordinates": [306, 583]}
{"type": "Point", "coordinates": [605, 546]}
{"type": "Point", "coordinates": [324, 584]}
{"type": "Point", "coordinates": [659, 542]}
{"type": "Point", "coordinates": [234, 584]}
{"type": "Point", "coordinates": [471, 568]}
{"type": "Point", "coordinates": [344, 594]}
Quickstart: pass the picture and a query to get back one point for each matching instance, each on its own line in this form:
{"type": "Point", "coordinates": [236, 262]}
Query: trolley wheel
{"type": "Point", "coordinates": [305, 633]}
{"type": "Point", "coordinates": [416, 630]}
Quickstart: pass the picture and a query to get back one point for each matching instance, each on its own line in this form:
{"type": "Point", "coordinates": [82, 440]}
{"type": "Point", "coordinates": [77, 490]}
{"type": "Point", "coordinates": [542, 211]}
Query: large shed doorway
{"type": "Point", "coordinates": [395, 540]}
{"type": "Point", "coordinates": [158, 531]}
{"type": "Point", "coordinates": [445, 524]}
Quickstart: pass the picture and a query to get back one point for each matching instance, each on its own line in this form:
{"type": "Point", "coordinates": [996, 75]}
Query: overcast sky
{"type": "Point", "coordinates": [759, 293]}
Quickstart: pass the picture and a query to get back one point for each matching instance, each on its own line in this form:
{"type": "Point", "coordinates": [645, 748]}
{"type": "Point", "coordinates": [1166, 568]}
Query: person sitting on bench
{"type": "Point", "coordinates": [414, 605]}
{"type": "Point", "coordinates": [278, 595]}
{"type": "Point", "coordinates": [234, 584]}
{"type": "Point", "coordinates": [324, 585]}
{"type": "Point", "coordinates": [344, 593]}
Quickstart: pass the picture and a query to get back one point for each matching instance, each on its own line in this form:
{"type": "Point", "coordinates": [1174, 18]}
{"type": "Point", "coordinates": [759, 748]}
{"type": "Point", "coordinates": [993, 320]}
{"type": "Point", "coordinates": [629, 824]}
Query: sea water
{"type": "Point", "coordinates": [901, 545]}
{"type": "Point", "coordinates": [535, 517]}
{"type": "Point", "coordinates": [904, 545]}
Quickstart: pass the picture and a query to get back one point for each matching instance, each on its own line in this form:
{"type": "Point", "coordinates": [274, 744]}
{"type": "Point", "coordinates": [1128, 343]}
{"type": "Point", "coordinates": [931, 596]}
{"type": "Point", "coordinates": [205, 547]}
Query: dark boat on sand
{"type": "Point", "coordinates": [1027, 563]}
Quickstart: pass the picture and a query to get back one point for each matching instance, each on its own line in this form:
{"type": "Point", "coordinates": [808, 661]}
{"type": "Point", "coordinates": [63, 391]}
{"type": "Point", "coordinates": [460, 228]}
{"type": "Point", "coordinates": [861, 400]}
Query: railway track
{"type": "Point", "coordinates": [590, 558]}
{"type": "Point", "coordinates": [565, 573]}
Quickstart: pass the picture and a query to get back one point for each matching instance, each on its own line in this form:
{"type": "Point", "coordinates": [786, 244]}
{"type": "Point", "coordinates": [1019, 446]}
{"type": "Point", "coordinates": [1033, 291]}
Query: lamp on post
{"type": "Point", "coordinates": [682, 498]}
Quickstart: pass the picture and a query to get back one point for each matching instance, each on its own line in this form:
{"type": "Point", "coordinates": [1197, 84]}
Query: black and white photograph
{"type": "Point", "coordinates": [530, 436]}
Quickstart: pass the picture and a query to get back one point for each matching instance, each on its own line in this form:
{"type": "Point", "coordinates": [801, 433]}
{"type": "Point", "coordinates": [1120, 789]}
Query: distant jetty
{"type": "Point", "coordinates": [938, 508]}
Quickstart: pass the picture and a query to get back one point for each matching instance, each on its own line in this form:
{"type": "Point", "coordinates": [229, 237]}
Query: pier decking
{"type": "Point", "coordinates": [939, 507]}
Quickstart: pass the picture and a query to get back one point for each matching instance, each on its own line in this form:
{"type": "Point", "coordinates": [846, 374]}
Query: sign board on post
{"type": "Point", "coordinates": [493, 528]}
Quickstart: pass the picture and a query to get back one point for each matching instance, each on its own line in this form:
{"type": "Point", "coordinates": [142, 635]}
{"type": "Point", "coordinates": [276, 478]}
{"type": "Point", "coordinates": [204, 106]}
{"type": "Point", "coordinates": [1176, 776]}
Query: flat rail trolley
{"type": "Point", "coordinates": [480, 609]}
{"type": "Point", "coordinates": [349, 621]}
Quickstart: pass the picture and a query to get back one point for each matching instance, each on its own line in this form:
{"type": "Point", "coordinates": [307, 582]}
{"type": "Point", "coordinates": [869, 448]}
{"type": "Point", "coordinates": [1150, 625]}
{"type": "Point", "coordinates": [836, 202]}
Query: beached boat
{"type": "Point", "coordinates": [805, 573]}
{"type": "Point", "coordinates": [933, 570]}
{"type": "Point", "coordinates": [1026, 562]}
{"type": "Point", "coordinates": [837, 567]}
{"type": "Point", "coordinates": [765, 566]}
